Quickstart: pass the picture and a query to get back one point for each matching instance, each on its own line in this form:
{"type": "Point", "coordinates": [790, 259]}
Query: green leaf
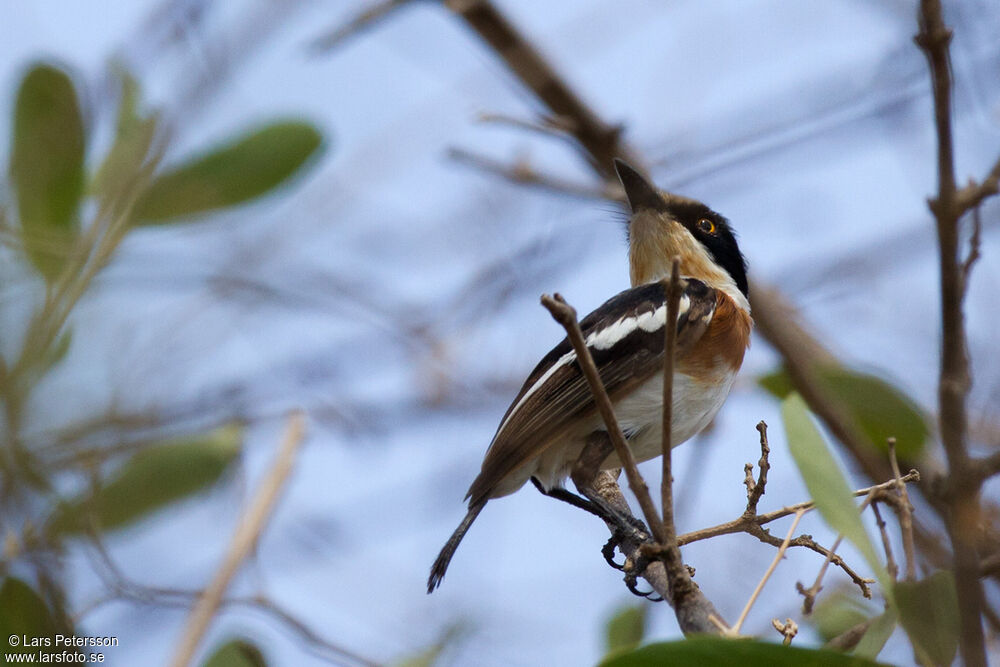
{"type": "Point", "coordinates": [879, 409]}
{"type": "Point", "coordinates": [838, 611]}
{"type": "Point", "coordinates": [152, 479]}
{"type": "Point", "coordinates": [825, 481]}
{"type": "Point", "coordinates": [246, 168]}
{"type": "Point", "coordinates": [876, 637]}
{"type": "Point", "coordinates": [237, 653]}
{"type": "Point", "coordinates": [22, 612]}
{"type": "Point", "coordinates": [134, 135]}
{"type": "Point", "coordinates": [47, 166]}
{"type": "Point", "coordinates": [626, 629]}
{"type": "Point", "coordinates": [928, 610]}
{"type": "Point", "coordinates": [719, 651]}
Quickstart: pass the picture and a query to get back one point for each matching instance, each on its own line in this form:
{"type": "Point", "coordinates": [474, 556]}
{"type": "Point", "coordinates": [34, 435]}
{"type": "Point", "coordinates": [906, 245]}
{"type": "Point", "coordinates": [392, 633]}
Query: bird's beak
{"type": "Point", "coordinates": [641, 194]}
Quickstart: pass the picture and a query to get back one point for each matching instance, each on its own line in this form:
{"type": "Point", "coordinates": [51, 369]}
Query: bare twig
{"type": "Point", "coordinates": [600, 141]}
{"type": "Point", "coordinates": [987, 466]}
{"type": "Point", "coordinates": [905, 515]}
{"type": "Point", "coordinates": [807, 542]}
{"type": "Point", "coordinates": [672, 287]}
{"type": "Point", "coordinates": [549, 126]}
{"type": "Point", "coordinates": [363, 20]}
{"type": "Point", "coordinates": [247, 534]}
{"type": "Point", "coordinates": [990, 565]}
{"type": "Point", "coordinates": [890, 561]}
{"type": "Point", "coordinates": [565, 314]}
{"type": "Point", "coordinates": [691, 607]}
{"type": "Point", "coordinates": [788, 629]}
{"type": "Point", "coordinates": [974, 242]}
{"type": "Point", "coordinates": [523, 173]}
{"type": "Point", "coordinates": [756, 489]}
{"type": "Point", "coordinates": [972, 195]}
{"type": "Point", "coordinates": [811, 592]}
{"type": "Point", "coordinates": [739, 525]}
{"type": "Point", "coordinates": [735, 630]}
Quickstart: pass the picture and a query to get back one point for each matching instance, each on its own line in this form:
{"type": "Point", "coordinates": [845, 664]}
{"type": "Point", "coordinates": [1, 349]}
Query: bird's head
{"type": "Point", "coordinates": [663, 226]}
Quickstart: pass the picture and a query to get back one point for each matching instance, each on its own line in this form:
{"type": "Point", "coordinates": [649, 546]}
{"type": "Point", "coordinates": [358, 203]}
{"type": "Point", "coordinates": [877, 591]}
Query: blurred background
{"type": "Point", "coordinates": [290, 213]}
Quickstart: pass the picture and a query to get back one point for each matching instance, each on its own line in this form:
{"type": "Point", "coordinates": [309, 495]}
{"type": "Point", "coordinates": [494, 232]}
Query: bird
{"type": "Point", "coordinates": [552, 429]}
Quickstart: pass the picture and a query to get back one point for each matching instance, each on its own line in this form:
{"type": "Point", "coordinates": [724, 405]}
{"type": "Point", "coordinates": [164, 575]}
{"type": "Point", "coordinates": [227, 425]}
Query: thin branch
{"type": "Point", "coordinates": [756, 489]}
{"type": "Point", "coordinates": [691, 607]}
{"type": "Point", "coordinates": [905, 510]}
{"type": "Point", "coordinates": [600, 142]}
{"type": "Point", "coordinates": [962, 518]}
{"type": "Point", "coordinates": [363, 20]}
{"type": "Point", "coordinates": [974, 243]}
{"type": "Point", "coordinates": [549, 126]}
{"type": "Point", "coordinates": [735, 630]}
{"type": "Point", "coordinates": [247, 534]}
{"type": "Point", "coordinates": [890, 561]}
{"type": "Point", "coordinates": [565, 314]}
{"type": "Point", "coordinates": [672, 287]}
{"type": "Point", "coordinates": [987, 466]}
{"type": "Point", "coordinates": [972, 195]}
{"type": "Point", "coordinates": [807, 542]}
{"type": "Point", "coordinates": [990, 565]}
{"type": "Point", "coordinates": [739, 525]}
{"type": "Point", "coordinates": [811, 593]}
{"type": "Point", "coordinates": [522, 172]}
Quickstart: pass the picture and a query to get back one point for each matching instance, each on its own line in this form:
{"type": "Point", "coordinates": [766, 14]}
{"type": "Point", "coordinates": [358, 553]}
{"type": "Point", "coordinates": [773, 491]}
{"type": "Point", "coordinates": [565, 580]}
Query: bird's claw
{"type": "Point", "coordinates": [608, 551]}
{"type": "Point", "coordinates": [633, 570]}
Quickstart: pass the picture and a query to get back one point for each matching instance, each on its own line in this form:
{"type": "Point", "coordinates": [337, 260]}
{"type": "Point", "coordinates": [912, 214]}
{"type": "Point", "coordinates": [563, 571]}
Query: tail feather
{"type": "Point", "coordinates": [448, 550]}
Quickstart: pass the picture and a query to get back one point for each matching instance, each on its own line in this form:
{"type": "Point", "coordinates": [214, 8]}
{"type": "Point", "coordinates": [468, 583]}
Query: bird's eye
{"type": "Point", "coordinates": [706, 226]}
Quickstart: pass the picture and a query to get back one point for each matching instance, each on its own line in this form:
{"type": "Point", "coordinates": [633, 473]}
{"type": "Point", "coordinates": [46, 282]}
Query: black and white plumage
{"type": "Point", "coordinates": [625, 337]}
{"type": "Point", "coordinates": [553, 417]}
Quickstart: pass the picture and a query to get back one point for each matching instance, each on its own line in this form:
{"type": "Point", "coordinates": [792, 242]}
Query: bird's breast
{"type": "Point", "coordinates": [695, 403]}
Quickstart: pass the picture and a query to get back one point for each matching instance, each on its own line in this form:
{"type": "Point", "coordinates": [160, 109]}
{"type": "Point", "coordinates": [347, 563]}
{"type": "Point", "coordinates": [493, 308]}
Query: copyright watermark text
{"type": "Point", "coordinates": [64, 649]}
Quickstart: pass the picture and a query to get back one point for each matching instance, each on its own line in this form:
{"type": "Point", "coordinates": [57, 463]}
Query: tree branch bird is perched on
{"type": "Point", "coordinates": [553, 430]}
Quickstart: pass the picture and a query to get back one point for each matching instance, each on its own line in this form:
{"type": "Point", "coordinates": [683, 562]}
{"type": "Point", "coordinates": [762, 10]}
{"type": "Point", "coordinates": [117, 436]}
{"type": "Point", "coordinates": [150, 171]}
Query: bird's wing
{"type": "Point", "coordinates": [625, 337]}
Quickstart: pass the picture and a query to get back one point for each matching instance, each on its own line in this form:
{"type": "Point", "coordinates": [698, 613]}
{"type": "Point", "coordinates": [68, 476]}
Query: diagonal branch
{"type": "Point", "coordinates": [247, 534]}
{"type": "Point", "coordinates": [692, 609]}
{"type": "Point", "coordinates": [601, 142]}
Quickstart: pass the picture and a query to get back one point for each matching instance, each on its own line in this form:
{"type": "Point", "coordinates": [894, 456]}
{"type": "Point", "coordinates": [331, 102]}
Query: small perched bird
{"type": "Point", "coordinates": [553, 430]}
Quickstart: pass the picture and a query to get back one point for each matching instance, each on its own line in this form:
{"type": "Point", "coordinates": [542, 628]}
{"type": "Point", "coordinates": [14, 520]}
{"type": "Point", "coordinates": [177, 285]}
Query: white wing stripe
{"type": "Point", "coordinates": [604, 339]}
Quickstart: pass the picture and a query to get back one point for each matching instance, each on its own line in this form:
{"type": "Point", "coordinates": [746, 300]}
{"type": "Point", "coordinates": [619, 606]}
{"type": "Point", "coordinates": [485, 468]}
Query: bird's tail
{"type": "Point", "coordinates": [448, 550]}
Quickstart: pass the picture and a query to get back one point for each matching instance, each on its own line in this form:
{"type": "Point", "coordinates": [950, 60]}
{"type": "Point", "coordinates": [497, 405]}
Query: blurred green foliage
{"type": "Point", "coordinates": [69, 223]}
{"type": "Point", "coordinates": [153, 478]}
{"type": "Point", "coordinates": [837, 611]}
{"type": "Point", "coordinates": [826, 483]}
{"type": "Point", "coordinates": [877, 635]}
{"type": "Point", "coordinates": [743, 652]}
{"type": "Point", "coordinates": [46, 167]}
{"type": "Point", "coordinates": [246, 168]}
{"type": "Point", "coordinates": [626, 628]}
{"type": "Point", "coordinates": [880, 410]}
{"type": "Point", "coordinates": [928, 610]}
{"type": "Point", "coordinates": [237, 653]}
